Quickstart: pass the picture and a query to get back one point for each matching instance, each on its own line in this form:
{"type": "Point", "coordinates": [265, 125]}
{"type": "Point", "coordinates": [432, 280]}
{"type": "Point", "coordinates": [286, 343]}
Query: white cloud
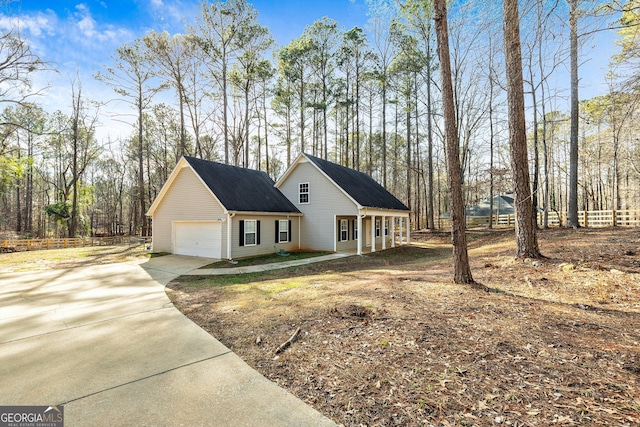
{"type": "Point", "coordinates": [173, 11]}
{"type": "Point", "coordinates": [90, 30]}
{"type": "Point", "coordinates": [35, 24]}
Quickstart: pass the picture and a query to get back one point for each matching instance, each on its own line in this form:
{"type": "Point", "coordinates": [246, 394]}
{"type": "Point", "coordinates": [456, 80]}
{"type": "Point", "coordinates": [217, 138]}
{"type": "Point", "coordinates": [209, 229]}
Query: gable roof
{"type": "Point", "coordinates": [237, 189]}
{"type": "Point", "coordinates": [240, 189]}
{"type": "Point", "coordinates": [363, 189]}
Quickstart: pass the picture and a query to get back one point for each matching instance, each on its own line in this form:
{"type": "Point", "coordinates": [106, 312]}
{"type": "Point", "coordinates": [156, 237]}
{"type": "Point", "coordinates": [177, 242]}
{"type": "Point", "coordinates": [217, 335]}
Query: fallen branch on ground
{"type": "Point", "coordinates": [288, 342]}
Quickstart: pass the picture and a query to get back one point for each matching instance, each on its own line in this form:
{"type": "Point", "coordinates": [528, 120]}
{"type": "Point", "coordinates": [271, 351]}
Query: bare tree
{"type": "Point", "coordinates": [462, 270]}
{"type": "Point", "coordinates": [129, 77]}
{"type": "Point", "coordinates": [526, 237]}
{"type": "Point", "coordinates": [17, 65]}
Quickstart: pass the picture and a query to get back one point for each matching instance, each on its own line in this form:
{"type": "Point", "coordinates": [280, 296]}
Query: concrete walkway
{"type": "Point", "coordinates": [263, 267]}
{"type": "Point", "coordinates": [106, 342]}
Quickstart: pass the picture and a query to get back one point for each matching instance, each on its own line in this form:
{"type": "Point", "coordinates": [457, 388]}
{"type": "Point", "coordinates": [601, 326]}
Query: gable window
{"type": "Point", "coordinates": [283, 231]}
{"type": "Point", "coordinates": [249, 232]}
{"type": "Point", "coordinates": [344, 230]}
{"type": "Point", "coordinates": [304, 192]}
{"type": "Point", "coordinates": [377, 228]}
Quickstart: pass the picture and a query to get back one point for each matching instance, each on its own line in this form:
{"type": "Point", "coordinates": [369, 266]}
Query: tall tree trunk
{"type": "Point", "coordinates": [409, 175]}
{"type": "Point", "coordinates": [462, 270]}
{"type": "Point", "coordinates": [572, 218]}
{"type": "Point", "coordinates": [430, 203]}
{"type": "Point", "coordinates": [143, 222]}
{"type": "Point", "coordinates": [491, 148]}
{"type": "Point", "coordinates": [246, 127]}
{"type": "Point", "coordinates": [384, 130]}
{"type": "Point", "coordinates": [225, 106]}
{"type": "Point", "coordinates": [526, 238]}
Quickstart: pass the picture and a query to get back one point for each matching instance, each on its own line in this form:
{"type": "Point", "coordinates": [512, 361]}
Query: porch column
{"type": "Point", "coordinates": [393, 231]}
{"type": "Point", "coordinates": [373, 233]}
{"type": "Point", "coordinates": [383, 232]}
{"type": "Point", "coordinates": [400, 228]}
{"type": "Point", "coordinates": [229, 231]}
{"type": "Point", "coordinates": [408, 231]}
{"type": "Point", "coordinates": [359, 234]}
{"type": "Point", "coordinates": [336, 230]}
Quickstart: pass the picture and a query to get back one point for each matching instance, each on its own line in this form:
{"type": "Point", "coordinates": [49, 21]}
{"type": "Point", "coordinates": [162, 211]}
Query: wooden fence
{"type": "Point", "coordinates": [609, 218]}
{"type": "Point", "coordinates": [13, 245]}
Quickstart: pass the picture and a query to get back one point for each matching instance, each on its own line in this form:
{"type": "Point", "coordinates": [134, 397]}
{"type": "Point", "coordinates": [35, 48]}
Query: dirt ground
{"type": "Point", "coordinates": [387, 338]}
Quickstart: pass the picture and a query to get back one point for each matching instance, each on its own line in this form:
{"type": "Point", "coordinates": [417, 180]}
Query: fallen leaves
{"type": "Point", "coordinates": [558, 346]}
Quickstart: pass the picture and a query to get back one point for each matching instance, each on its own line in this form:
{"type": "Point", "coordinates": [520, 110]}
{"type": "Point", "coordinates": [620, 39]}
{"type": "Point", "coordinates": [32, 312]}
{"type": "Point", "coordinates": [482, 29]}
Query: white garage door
{"type": "Point", "coordinates": [203, 239]}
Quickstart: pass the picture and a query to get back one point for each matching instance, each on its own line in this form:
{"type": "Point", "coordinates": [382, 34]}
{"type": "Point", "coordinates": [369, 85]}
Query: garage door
{"type": "Point", "coordinates": [203, 239]}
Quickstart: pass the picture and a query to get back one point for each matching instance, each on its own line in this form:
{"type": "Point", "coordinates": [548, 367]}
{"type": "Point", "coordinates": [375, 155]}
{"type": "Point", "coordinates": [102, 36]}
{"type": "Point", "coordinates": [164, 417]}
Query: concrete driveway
{"type": "Point", "coordinates": [106, 342]}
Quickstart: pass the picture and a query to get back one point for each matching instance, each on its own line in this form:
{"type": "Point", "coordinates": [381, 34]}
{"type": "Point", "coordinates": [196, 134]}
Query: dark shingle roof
{"type": "Point", "coordinates": [502, 205]}
{"type": "Point", "coordinates": [240, 189]}
{"type": "Point", "coordinates": [360, 186]}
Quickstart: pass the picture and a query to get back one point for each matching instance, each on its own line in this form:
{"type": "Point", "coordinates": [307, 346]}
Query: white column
{"type": "Point", "coordinates": [408, 231]}
{"type": "Point", "coordinates": [393, 231]}
{"type": "Point", "coordinates": [336, 230]}
{"type": "Point", "coordinates": [229, 230]}
{"type": "Point", "coordinates": [373, 233]}
{"type": "Point", "coordinates": [359, 234]}
{"type": "Point", "coordinates": [382, 232]}
{"type": "Point", "coordinates": [400, 220]}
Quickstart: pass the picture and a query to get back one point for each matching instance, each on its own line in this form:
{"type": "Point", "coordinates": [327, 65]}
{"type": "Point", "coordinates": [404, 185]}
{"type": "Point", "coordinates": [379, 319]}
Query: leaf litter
{"type": "Point", "coordinates": [387, 339]}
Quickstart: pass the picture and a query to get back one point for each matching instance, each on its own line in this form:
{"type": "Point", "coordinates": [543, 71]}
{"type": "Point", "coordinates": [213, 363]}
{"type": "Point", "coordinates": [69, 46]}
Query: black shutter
{"type": "Point", "coordinates": [241, 240]}
{"type": "Point", "coordinates": [277, 231]}
{"type": "Point", "coordinates": [289, 230]}
{"type": "Point", "coordinates": [257, 232]}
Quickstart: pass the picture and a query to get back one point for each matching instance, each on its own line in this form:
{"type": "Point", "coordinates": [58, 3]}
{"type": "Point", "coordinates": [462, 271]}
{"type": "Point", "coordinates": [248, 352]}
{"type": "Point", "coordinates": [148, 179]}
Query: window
{"type": "Point", "coordinates": [344, 230]}
{"type": "Point", "coordinates": [282, 231]}
{"type": "Point", "coordinates": [249, 232]}
{"type": "Point", "coordinates": [355, 229]}
{"type": "Point", "coordinates": [386, 228]}
{"type": "Point", "coordinates": [377, 228]}
{"type": "Point", "coordinates": [304, 192]}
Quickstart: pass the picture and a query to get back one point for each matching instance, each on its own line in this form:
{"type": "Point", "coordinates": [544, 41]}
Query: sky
{"type": "Point", "coordinates": [80, 37]}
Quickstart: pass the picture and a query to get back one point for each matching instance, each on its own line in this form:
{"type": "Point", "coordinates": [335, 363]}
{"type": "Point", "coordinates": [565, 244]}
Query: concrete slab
{"type": "Point", "coordinates": [222, 391]}
{"type": "Point", "coordinates": [106, 342]}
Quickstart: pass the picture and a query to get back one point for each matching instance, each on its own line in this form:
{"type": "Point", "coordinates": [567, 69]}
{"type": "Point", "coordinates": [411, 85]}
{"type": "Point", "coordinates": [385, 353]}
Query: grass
{"type": "Point", "coordinates": [265, 259]}
{"type": "Point", "coordinates": [70, 257]}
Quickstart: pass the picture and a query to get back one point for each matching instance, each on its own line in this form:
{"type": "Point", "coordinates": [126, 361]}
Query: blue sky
{"type": "Point", "coordinates": [88, 31]}
{"type": "Point", "coordinates": [79, 37]}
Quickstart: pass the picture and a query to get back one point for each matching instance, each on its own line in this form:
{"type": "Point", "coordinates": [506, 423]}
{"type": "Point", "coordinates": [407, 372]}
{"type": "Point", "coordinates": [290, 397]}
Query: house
{"type": "Point", "coordinates": [338, 202]}
{"type": "Point", "coordinates": [502, 205]}
{"type": "Point", "coordinates": [215, 210]}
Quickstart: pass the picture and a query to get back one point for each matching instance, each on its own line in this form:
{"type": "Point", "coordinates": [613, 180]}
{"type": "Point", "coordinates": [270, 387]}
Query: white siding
{"type": "Point", "coordinates": [187, 200]}
{"type": "Point", "coordinates": [326, 201]}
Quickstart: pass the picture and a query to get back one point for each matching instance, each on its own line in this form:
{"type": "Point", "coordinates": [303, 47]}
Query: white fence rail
{"type": "Point", "coordinates": [608, 218]}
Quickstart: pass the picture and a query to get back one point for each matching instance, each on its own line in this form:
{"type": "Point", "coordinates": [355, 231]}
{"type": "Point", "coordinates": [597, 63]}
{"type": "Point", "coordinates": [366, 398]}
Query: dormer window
{"type": "Point", "coordinates": [304, 193]}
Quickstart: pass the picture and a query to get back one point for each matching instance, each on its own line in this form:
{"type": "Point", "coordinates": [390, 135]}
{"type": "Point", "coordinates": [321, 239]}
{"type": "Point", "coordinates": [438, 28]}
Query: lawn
{"type": "Point", "coordinates": [265, 259]}
{"type": "Point", "coordinates": [387, 339]}
{"type": "Point", "coordinates": [71, 257]}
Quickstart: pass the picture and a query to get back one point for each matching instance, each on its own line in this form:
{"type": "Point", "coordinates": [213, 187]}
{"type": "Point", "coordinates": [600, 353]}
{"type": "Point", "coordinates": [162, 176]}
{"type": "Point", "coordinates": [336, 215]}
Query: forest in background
{"type": "Point", "coordinates": [367, 98]}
